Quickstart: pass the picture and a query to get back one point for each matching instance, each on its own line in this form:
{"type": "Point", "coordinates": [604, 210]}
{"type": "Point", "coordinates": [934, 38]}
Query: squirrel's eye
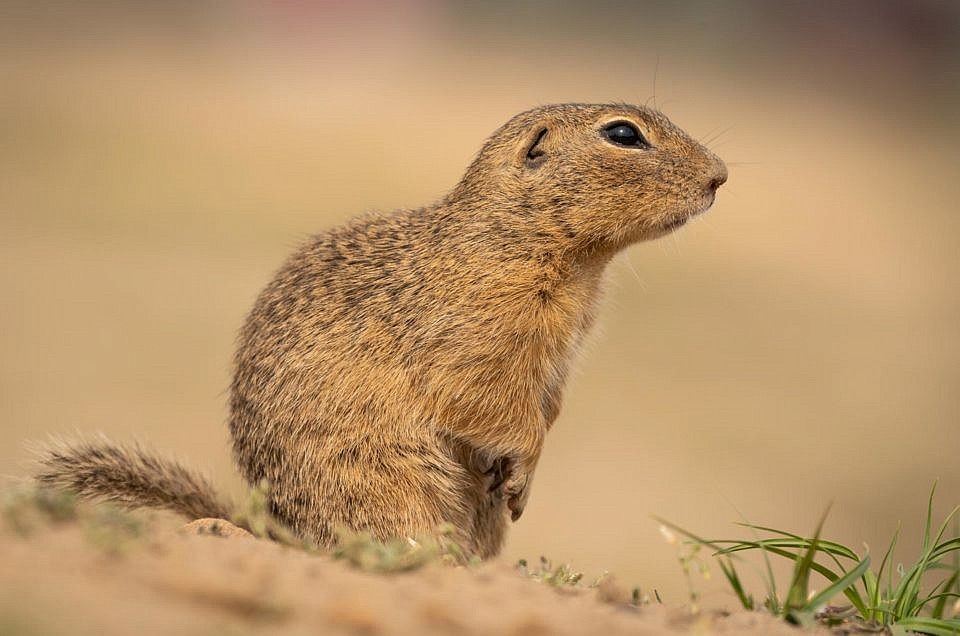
{"type": "Point", "coordinates": [624, 135]}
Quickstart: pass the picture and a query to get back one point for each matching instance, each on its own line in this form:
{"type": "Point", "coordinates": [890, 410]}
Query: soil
{"type": "Point", "coordinates": [117, 578]}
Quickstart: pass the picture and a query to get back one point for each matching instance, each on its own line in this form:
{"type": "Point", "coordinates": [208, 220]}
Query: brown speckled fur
{"type": "Point", "coordinates": [395, 367]}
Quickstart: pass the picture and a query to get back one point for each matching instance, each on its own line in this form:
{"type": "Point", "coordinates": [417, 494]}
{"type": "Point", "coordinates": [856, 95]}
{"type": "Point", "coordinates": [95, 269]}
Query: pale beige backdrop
{"type": "Point", "coordinates": [799, 344]}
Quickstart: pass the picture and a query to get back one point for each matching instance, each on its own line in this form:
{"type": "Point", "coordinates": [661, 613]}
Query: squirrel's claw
{"type": "Point", "coordinates": [500, 471]}
{"type": "Point", "coordinates": [516, 489]}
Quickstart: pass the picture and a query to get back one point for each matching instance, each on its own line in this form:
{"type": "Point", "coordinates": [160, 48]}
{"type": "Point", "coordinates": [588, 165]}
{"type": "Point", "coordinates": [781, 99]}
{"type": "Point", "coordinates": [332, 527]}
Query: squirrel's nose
{"type": "Point", "coordinates": [718, 179]}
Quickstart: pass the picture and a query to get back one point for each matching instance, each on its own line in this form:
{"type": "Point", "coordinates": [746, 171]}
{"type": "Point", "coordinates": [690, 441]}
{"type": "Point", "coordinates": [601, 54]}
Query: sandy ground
{"type": "Point", "coordinates": [82, 578]}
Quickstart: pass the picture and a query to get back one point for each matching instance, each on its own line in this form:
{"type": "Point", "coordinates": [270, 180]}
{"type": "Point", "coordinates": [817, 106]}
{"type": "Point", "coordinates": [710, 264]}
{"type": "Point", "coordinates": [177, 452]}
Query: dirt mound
{"type": "Point", "coordinates": [105, 572]}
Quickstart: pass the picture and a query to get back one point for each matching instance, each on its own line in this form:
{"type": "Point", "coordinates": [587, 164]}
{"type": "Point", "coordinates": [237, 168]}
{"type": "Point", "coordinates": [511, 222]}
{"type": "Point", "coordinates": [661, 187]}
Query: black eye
{"type": "Point", "coordinates": [624, 135]}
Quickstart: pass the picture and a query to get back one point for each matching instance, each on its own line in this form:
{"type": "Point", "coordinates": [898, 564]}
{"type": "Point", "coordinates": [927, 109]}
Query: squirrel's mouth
{"type": "Point", "coordinates": [685, 216]}
{"type": "Point", "coordinates": [672, 225]}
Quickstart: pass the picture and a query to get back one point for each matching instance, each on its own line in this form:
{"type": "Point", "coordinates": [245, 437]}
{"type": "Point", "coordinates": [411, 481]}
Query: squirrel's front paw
{"type": "Point", "coordinates": [509, 481]}
{"type": "Point", "coordinates": [516, 489]}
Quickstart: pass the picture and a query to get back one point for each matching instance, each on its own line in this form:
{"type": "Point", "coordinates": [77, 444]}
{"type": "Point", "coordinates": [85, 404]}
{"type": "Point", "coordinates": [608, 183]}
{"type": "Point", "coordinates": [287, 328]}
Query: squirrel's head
{"type": "Point", "coordinates": [602, 175]}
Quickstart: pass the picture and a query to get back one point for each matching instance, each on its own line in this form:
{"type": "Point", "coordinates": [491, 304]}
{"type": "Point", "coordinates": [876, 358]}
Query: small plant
{"type": "Point", "coordinates": [363, 551]}
{"type": "Point", "coordinates": [24, 509]}
{"type": "Point", "coordinates": [359, 549]}
{"type": "Point", "coordinates": [690, 560]}
{"type": "Point", "coordinates": [28, 509]}
{"type": "Point", "coordinates": [876, 599]}
{"type": "Point", "coordinates": [112, 529]}
{"type": "Point", "coordinates": [558, 576]}
{"type": "Point", "coordinates": [564, 577]}
{"type": "Point", "coordinates": [253, 514]}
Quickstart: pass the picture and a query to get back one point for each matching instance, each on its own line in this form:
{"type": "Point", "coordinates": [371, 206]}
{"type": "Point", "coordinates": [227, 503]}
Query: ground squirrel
{"type": "Point", "coordinates": [401, 371]}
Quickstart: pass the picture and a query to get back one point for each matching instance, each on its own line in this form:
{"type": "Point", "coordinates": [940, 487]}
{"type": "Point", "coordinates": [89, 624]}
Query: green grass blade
{"type": "Point", "coordinates": [906, 592]}
{"type": "Point", "coordinates": [926, 528]}
{"type": "Point", "coordinates": [830, 547]}
{"type": "Point", "coordinates": [800, 582]}
{"type": "Point", "coordinates": [851, 592]}
{"type": "Point", "coordinates": [715, 546]}
{"type": "Point", "coordinates": [875, 595]}
{"type": "Point", "coordinates": [943, 529]}
{"type": "Point", "coordinates": [941, 603]}
{"type": "Point", "coordinates": [953, 582]}
{"type": "Point", "coordinates": [697, 539]}
{"type": "Point", "coordinates": [729, 571]}
{"type": "Point", "coordinates": [827, 546]}
{"type": "Point", "coordinates": [956, 554]}
{"type": "Point", "coordinates": [908, 589]}
{"type": "Point", "coordinates": [932, 626]}
{"type": "Point", "coordinates": [871, 584]}
{"type": "Point", "coordinates": [824, 571]}
{"type": "Point", "coordinates": [943, 549]}
{"type": "Point", "coordinates": [773, 597]}
{"type": "Point", "coordinates": [846, 581]}
{"type": "Point", "coordinates": [941, 600]}
{"type": "Point", "coordinates": [943, 587]}
{"type": "Point", "coordinates": [908, 604]}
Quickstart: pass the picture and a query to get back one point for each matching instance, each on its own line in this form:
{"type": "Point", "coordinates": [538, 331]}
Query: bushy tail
{"type": "Point", "coordinates": [131, 476]}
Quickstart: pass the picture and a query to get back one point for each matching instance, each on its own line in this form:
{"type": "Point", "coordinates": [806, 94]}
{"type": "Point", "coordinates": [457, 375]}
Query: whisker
{"type": "Point", "coordinates": [656, 69]}
{"type": "Point", "coordinates": [725, 141]}
{"type": "Point", "coordinates": [706, 221]}
{"type": "Point", "coordinates": [719, 134]}
{"type": "Point", "coordinates": [703, 140]}
{"type": "Point", "coordinates": [730, 191]}
{"type": "Point", "coordinates": [675, 239]}
{"type": "Point", "coordinates": [633, 270]}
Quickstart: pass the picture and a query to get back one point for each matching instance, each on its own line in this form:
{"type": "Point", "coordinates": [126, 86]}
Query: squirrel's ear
{"type": "Point", "coordinates": [536, 146]}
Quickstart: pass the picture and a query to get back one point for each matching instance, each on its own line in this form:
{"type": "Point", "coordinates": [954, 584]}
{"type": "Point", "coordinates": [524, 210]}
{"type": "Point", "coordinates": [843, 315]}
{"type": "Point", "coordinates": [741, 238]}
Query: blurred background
{"type": "Point", "coordinates": [800, 344]}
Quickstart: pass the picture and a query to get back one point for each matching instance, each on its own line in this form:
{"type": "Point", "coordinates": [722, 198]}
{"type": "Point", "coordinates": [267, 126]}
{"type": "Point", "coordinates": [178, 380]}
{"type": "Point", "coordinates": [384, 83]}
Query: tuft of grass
{"type": "Point", "coordinates": [559, 576]}
{"type": "Point", "coordinates": [638, 598]}
{"type": "Point", "coordinates": [363, 551]}
{"type": "Point", "coordinates": [113, 529]}
{"type": "Point", "coordinates": [876, 599]}
{"type": "Point", "coordinates": [359, 549]}
{"type": "Point", "coordinates": [25, 509]}
{"type": "Point", "coordinates": [690, 561]}
{"type": "Point", "coordinates": [253, 514]}
{"type": "Point", "coordinates": [563, 577]}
